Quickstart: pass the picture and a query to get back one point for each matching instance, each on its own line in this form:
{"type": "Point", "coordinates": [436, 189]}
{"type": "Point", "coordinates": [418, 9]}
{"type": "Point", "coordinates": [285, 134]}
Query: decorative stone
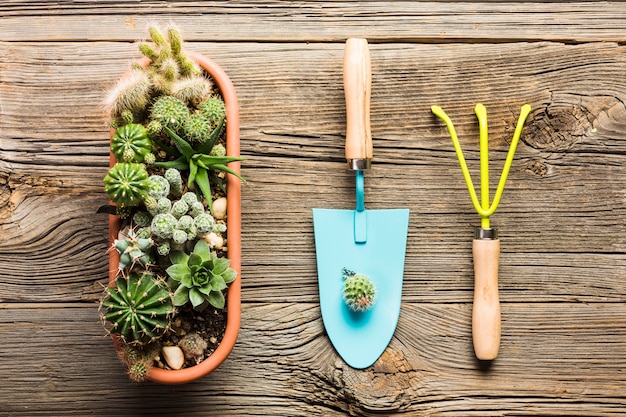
{"type": "Point", "coordinates": [174, 356]}
{"type": "Point", "coordinates": [219, 208]}
{"type": "Point", "coordinates": [214, 240]}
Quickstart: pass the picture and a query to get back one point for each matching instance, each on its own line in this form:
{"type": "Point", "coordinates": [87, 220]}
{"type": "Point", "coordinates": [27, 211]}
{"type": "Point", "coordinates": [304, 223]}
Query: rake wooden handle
{"type": "Point", "coordinates": [486, 321]}
{"type": "Point", "coordinates": [357, 83]}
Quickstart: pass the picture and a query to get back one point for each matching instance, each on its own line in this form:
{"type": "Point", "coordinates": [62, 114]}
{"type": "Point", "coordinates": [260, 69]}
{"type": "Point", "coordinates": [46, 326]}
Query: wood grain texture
{"type": "Point", "coordinates": [561, 219]}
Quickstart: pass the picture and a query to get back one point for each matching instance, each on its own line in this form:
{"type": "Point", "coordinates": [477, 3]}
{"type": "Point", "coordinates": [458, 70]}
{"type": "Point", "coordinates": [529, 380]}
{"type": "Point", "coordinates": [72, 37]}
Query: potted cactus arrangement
{"type": "Point", "coordinates": [173, 301]}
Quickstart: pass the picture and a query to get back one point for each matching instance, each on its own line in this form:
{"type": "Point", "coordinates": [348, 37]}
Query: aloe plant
{"type": "Point", "coordinates": [199, 161]}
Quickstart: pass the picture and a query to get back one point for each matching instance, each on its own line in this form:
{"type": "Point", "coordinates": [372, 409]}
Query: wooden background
{"type": "Point", "coordinates": [561, 220]}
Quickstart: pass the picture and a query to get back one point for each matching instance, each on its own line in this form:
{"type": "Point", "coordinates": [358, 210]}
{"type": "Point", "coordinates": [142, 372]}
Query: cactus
{"type": "Point", "coordinates": [163, 225]}
{"type": "Point", "coordinates": [192, 90]}
{"type": "Point", "coordinates": [199, 278]}
{"type": "Point", "coordinates": [158, 187]}
{"type": "Point", "coordinates": [134, 251]}
{"type": "Point", "coordinates": [138, 308]}
{"type": "Point", "coordinates": [213, 109]}
{"type": "Point", "coordinates": [127, 183]}
{"type": "Point", "coordinates": [204, 223]}
{"type": "Point", "coordinates": [170, 112]}
{"type": "Point", "coordinates": [130, 143]}
{"type": "Point", "coordinates": [359, 292]}
{"type": "Point", "coordinates": [131, 94]}
{"type": "Point", "coordinates": [197, 128]}
{"type": "Point", "coordinates": [193, 346]}
{"type": "Point", "coordinates": [172, 175]}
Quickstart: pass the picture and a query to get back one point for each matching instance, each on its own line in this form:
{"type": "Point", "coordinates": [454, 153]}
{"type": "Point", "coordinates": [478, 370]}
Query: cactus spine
{"type": "Point", "coordinates": [130, 143]}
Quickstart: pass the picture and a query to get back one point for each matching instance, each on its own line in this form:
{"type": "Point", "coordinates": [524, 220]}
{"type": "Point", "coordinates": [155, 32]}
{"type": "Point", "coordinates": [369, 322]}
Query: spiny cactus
{"type": "Point", "coordinates": [138, 308]}
{"type": "Point", "coordinates": [158, 186]}
{"type": "Point", "coordinates": [163, 225]}
{"type": "Point", "coordinates": [131, 94]}
{"type": "Point", "coordinates": [130, 143]}
{"type": "Point", "coordinates": [213, 109]}
{"type": "Point", "coordinates": [199, 278]}
{"type": "Point", "coordinates": [197, 128]}
{"type": "Point", "coordinates": [193, 346]}
{"type": "Point", "coordinates": [359, 291]}
{"type": "Point", "coordinates": [172, 175]}
{"type": "Point", "coordinates": [134, 251]}
{"type": "Point", "coordinates": [170, 112]}
{"type": "Point", "coordinates": [192, 90]}
{"type": "Point", "coordinates": [127, 183]}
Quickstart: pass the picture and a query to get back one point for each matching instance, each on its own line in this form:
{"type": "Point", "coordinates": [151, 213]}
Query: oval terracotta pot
{"type": "Point", "coordinates": [233, 299]}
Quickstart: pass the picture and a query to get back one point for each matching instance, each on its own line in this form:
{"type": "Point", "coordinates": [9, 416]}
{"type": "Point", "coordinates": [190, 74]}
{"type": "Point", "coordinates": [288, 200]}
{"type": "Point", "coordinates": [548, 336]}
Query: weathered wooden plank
{"type": "Point", "coordinates": [310, 21]}
{"type": "Point", "coordinates": [283, 365]}
{"type": "Point", "coordinates": [561, 213]}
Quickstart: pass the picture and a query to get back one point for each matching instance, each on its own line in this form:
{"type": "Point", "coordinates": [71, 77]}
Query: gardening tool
{"type": "Point", "coordinates": [486, 322]}
{"type": "Point", "coordinates": [365, 242]}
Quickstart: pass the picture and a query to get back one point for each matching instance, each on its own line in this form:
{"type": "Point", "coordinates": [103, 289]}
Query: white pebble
{"type": "Point", "coordinates": [174, 356]}
{"type": "Point", "coordinates": [219, 208]}
{"type": "Point", "coordinates": [214, 240]}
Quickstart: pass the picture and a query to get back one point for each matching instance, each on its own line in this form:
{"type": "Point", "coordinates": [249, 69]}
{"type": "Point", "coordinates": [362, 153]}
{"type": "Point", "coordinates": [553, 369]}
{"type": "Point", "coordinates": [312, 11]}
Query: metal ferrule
{"type": "Point", "coordinates": [359, 164]}
{"type": "Point", "coordinates": [490, 233]}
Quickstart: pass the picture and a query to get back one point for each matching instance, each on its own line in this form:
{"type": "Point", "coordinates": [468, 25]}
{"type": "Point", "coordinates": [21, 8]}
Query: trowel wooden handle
{"type": "Point", "coordinates": [486, 325]}
{"type": "Point", "coordinates": [357, 82]}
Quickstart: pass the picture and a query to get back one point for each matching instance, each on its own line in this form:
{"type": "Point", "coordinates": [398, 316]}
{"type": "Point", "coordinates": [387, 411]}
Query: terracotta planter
{"type": "Point", "coordinates": [233, 234]}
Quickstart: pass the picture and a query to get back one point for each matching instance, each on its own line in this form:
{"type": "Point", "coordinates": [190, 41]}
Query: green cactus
{"type": "Point", "coordinates": [158, 187]}
{"type": "Point", "coordinates": [197, 128]}
{"type": "Point", "coordinates": [130, 143]}
{"type": "Point", "coordinates": [127, 183]}
{"type": "Point", "coordinates": [139, 308]}
{"type": "Point", "coordinates": [213, 109]}
{"type": "Point", "coordinates": [163, 225]}
{"type": "Point", "coordinates": [172, 175]}
{"type": "Point", "coordinates": [170, 112]}
{"type": "Point", "coordinates": [199, 278]}
{"type": "Point", "coordinates": [134, 251]}
{"type": "Point", "coordinates": [204, 223]}
{"type": "Point", "coordinates": [359, 291]}
{"type": "Point", "coordinates": [138, 371]}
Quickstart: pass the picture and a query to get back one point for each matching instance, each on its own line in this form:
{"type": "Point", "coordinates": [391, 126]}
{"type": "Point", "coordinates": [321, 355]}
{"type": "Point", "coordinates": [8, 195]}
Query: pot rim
{"type": "Point", "coordinates": [233, 299]}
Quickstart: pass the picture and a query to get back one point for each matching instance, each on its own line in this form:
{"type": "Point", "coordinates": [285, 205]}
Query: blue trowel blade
{"type": "Point", "coordinates": [360, 338]}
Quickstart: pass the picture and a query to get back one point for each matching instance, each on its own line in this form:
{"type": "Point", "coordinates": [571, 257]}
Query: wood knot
{"type": "Point", "coordinates": [537, 168]}
{"type": "Point", "coordinates": [557, 127]}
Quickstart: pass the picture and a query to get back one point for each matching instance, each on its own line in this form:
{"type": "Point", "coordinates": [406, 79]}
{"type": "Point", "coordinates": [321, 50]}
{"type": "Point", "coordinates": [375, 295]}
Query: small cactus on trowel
{"type": "Point", "coordinates": [359, 291]}
{"type": "Point", "coordinates": [139, 308]}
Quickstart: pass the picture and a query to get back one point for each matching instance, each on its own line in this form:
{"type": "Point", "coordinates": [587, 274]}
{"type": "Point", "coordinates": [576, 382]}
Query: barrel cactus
{"type": "Point", "coordinates": [213, 109]}
{"type": "Point", "coordinates": [139, 308]}
{"type": "Point", "coordinates": [127, 183]}
{"type": "Point", "coordinates": [199, 278]}
{"type": "Point", "coordinates": [130, 143]}
{"type": "Point", "coordinates": [359, 291]}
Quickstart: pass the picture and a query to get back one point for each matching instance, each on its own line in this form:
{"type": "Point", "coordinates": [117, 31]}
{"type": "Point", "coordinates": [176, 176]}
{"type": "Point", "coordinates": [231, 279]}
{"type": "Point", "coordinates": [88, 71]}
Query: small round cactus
{"type": "Point", "coordinates": [204, 223]}
{"type": "Point", "coordinates": [197, 128]}
{"type": "Point", "coordinates": [158, 187]}
{"type": "Point", "coordinates": [213, 109]}
{"type": "Point", "coordinates": [193, 346]}
{"type": "Point", "coordinates": [138, 371]}
{"type": "Point", "coordinates": [179, 209]}
{"type": "Point", "coordinates": [170, 112]}
{"type": "Point", "coordinates": [163, 225]}
{"type": "Point", "coordinates": [127, 183]}
{"type": "Point", "coordinates": [130, 143]}
{"type": "Point", "coordinates": [138, 308]}
{"type": "Point", "coordinates": [359, 291]}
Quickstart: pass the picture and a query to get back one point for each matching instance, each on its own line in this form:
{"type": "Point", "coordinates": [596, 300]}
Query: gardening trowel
{"type": "Point", "coordinates": [368, 243]}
